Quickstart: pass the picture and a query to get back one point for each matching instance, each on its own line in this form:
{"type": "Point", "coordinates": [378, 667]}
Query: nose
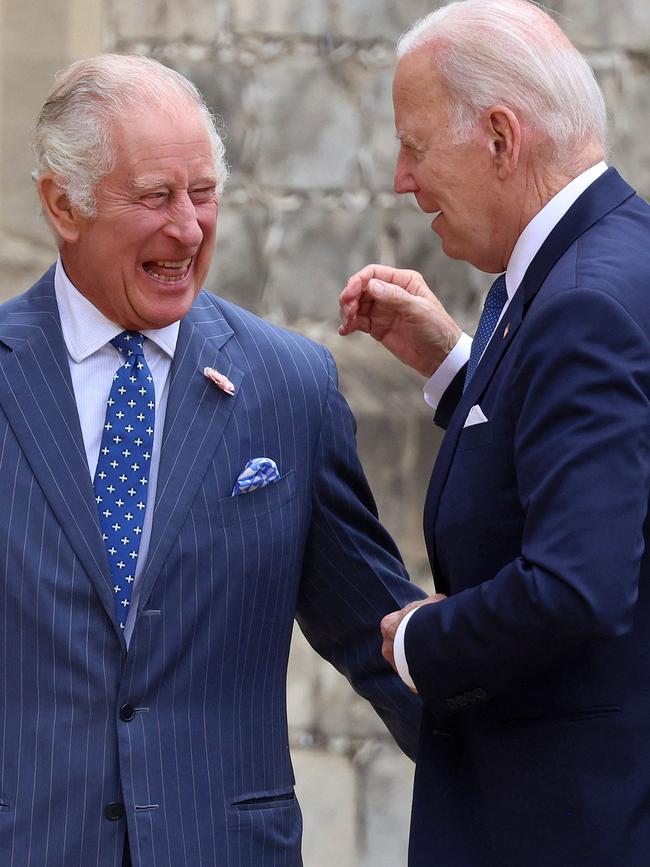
{"type": "Point", "coordinates": [403, 181]}
{"type": "Point", "coordinates": [183, 224]}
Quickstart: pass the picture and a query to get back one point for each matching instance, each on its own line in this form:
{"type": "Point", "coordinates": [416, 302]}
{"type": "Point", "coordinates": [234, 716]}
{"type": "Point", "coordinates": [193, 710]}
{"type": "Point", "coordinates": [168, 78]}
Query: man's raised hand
{"type": "Point", "coordinates": [397, 308]}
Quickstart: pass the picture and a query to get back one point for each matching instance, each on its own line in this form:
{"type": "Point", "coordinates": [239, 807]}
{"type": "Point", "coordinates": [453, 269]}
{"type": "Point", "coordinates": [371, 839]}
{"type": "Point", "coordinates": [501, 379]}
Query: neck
{"type": "Point", "coordinates": [540, 183]}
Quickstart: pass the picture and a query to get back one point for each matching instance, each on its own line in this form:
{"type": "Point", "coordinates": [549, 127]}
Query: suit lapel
{"type": "Point", "coordinates": [605, 194]}
{"type": "Point", "coordinates": [501, 340]}
{"type": "Point", "coordinates": [37, 397]}
{"type": "Point", "coordinates": [196, 416]}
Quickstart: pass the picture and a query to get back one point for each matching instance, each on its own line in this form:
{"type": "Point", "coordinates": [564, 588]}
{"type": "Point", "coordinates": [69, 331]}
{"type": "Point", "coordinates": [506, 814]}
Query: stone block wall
{"type": "Point", "coordinates": [303, 87]}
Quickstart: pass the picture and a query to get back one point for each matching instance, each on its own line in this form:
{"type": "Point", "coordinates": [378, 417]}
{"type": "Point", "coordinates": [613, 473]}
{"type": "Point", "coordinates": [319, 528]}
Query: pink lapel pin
{"type": "Point", "coordinates": [219, 380]}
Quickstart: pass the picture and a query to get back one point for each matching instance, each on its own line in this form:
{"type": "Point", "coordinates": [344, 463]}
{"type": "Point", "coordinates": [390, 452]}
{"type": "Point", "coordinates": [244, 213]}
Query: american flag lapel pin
{"type": "Point", "coordinates": [219, 380]}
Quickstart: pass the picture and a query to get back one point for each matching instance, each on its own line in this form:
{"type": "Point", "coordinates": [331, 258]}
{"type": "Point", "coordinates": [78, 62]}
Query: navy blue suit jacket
{"type": "Point", "coordinates": [535, 674]}
{"type": "Point", "coordinates": [202, 768]}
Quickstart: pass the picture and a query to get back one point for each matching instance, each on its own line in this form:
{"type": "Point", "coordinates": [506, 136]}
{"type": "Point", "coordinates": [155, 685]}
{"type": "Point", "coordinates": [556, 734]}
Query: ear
{"type": "Point", "coordinates": [61, 215]}
{"type": "Point", "coordinates": [504, 134]}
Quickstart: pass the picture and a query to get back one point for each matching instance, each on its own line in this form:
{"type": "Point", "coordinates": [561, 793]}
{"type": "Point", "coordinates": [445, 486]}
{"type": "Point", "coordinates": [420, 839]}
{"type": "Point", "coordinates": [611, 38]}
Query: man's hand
{"type": "Point", "coordinates": [398, 309]}
{"type": "Point", "coordinates": [391, 622]}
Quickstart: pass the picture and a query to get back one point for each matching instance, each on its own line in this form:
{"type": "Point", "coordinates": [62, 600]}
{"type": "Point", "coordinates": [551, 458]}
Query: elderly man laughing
{"type": "Point", "coordinates": [180, 479]}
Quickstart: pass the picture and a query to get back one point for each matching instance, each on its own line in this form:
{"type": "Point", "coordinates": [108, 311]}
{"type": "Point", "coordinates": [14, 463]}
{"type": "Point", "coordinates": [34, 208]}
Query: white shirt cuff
{"type": "Point", "coordinates": [399, 653]}
{"type": "Point", "coordinates": [435, 387]}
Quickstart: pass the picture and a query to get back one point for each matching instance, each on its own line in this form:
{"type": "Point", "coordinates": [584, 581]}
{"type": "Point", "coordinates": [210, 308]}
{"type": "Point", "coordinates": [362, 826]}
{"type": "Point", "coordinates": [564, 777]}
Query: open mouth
{"type": "Point", "coordinates": [168, 271]}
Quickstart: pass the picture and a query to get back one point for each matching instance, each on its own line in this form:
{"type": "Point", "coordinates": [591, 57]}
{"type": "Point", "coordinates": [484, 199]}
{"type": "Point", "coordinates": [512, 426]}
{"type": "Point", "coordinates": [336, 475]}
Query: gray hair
{"type": "Point", "coordinates": [72, 137]}
{"type": "Point", "coordinates": [510, 52]}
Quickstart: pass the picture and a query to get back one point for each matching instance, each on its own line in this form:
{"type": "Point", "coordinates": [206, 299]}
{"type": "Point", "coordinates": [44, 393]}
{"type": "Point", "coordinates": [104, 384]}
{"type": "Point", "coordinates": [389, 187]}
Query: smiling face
{"type": "Point", "coordinates": [144, 256]}
{"type": "Point", "coordinates": [456, 182]}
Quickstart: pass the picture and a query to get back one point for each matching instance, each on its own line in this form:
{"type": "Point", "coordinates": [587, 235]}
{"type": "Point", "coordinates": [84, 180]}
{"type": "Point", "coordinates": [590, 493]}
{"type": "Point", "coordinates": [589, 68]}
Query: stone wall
{"type": "Point", "coordinates": [303, 87]}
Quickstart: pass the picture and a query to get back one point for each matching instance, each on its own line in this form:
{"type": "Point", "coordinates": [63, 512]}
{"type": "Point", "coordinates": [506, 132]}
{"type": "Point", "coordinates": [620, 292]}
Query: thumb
{"type": "Point", "coordinates": [388, 292]}
{"type": "Point", "coordinates": [378, 288]}
{"type": "Point", "coordinates": [390, 623]}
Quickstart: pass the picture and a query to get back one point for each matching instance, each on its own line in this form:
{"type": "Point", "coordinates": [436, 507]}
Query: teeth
{"type": "Point", "coordinates": [182, 264]}
{"type": "Point", "coordinates": [165, 278]}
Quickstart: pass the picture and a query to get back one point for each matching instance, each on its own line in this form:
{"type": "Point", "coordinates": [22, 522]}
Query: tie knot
{"type": "Point", "coordinates": [129, 343]}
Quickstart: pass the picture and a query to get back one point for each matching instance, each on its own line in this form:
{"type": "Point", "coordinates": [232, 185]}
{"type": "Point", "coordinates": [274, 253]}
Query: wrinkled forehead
{"type": "Point", "coordinates": [147, 135]}
{"type": "Point", "coordinates": [419, 69]}
{"type": "Point", "coordinates": [418, 87]}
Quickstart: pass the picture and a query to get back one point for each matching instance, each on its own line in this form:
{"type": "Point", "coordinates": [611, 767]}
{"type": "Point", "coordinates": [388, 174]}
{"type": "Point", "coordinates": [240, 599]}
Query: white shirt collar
{"type": "Point", "coordinates": [86, 329]}
{"type": "Point", "coordinates": [543, 223]}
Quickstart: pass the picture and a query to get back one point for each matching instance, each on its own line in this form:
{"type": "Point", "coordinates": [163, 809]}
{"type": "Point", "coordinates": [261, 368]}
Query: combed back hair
{"type": "Point", "coordinates": [511, 53]}
{"type": "Point", "coordinates": [72, 136]}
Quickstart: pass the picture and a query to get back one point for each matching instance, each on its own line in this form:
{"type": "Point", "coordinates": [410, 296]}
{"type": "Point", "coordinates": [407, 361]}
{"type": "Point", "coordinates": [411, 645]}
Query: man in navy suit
{"type": "Point", "coordinates": [179, 480]}
{"type": "Point", "coordinates": [533, 660]}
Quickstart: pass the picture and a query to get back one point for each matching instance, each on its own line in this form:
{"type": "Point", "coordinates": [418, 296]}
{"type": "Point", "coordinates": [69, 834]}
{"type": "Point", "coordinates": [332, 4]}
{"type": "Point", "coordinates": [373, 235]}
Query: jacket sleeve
{"type": "Point", "coordinates": [353, 574]}
{"type": "Point", "coordinates": [580, 401]}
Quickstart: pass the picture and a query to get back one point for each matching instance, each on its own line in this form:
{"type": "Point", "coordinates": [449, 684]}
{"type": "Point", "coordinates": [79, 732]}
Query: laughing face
{"type": "Point", "coordinates": [144, 256]}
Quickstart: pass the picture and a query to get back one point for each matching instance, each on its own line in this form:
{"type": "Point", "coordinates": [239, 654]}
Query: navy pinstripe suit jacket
{"type": "Point", "coordinates": [203, 767]}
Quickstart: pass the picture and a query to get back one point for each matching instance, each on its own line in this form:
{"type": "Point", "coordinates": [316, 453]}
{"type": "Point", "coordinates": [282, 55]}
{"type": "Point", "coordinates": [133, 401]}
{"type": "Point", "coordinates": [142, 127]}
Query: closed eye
{"type": "Point", "coordinates": [154, 198]}
{"type": "Point", "coordinates": [203, 194]}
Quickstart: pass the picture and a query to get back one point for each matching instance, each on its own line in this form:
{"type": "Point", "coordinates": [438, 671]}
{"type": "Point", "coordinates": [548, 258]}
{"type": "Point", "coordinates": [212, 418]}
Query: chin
{"type": "Point", "coordinates": [453, 252]}
{"type": "Point", "coordinates": [165, 314]}
{"type": "Point", "coordinates": [165, 307]}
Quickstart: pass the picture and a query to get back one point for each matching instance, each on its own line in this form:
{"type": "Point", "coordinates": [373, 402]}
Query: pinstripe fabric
{"type": "Point", "coordinates": [203, 768]}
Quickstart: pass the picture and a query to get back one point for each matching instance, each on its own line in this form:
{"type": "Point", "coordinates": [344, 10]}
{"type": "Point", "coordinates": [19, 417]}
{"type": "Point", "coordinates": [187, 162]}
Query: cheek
{"type": "Point", "coordinates": [207, 218]}
{"type": "Point", "coordinates": [209, 228]}
{"type": "Point", "coordinates": [208, 225]}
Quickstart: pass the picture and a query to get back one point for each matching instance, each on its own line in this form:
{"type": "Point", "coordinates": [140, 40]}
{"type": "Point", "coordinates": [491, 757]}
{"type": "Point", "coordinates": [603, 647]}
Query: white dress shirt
{"type": "Point", "coordinates": [525, 250]}
{"type": "Point", "coordinates": [93, 361]}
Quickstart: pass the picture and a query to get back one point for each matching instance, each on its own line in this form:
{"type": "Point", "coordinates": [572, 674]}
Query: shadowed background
{"type": "Point", "coordinates": [303, 87]}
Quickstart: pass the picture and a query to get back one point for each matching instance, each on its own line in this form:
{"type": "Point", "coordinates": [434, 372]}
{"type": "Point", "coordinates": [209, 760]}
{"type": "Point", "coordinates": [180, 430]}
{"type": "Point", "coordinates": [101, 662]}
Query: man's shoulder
{"type": "Point", "coordinates": [611, 256]}
{"type": "Point", "coordinates": [39, 299]}
{"type": "Point", "coordinates": [252, 330]}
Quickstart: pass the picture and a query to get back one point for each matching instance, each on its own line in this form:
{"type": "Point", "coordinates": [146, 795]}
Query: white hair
{"type": "Point", "coordinates": [72, 137]}
{"type": "Point", "coordinates": [511, 53]}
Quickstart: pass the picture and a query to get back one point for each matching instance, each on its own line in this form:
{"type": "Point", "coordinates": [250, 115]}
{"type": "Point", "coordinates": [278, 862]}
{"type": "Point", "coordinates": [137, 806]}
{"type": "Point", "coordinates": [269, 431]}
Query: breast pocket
{"type": "Point", "coordinates": [475, 436]}
{"type": "Point", "coordinates": [257, 505]}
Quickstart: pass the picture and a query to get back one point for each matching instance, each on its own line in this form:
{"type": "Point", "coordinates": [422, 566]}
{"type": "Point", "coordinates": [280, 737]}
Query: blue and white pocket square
{"type": "Point", "coordinates": [475, 416]}
{"type": "Point", "coordinates": [257, 473]}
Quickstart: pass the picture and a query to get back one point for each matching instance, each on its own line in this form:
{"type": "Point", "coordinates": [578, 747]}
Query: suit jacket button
{"type": "Point", "coordinates": [114, 811]}
{"type": "Point", "coordinates": [127, 712]}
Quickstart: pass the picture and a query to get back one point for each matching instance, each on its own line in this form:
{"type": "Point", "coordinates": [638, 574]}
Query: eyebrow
{"type": "Point", "coordinates": [406, 139]}
{"type": "Point", "coordinates": [153, 182]}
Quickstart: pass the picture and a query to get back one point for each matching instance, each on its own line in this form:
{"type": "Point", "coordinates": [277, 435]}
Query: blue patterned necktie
{"type": "Point", "coordinates": [122, 474]}
{"type": "Point", "coordinates": [494, 304]}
